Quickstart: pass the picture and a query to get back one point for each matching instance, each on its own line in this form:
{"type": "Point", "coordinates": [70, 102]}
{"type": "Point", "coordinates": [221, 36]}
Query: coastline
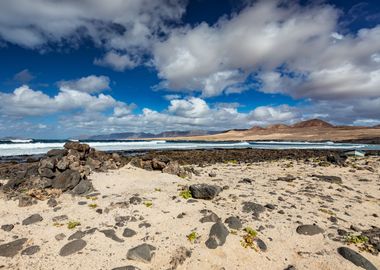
{"type": "Point", "coordinates": [195, 209]}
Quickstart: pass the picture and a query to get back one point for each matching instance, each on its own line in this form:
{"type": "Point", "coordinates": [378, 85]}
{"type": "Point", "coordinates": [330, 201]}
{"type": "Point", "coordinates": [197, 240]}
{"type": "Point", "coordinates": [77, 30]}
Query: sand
{"type": "Point", "coordinates": [354, 203]}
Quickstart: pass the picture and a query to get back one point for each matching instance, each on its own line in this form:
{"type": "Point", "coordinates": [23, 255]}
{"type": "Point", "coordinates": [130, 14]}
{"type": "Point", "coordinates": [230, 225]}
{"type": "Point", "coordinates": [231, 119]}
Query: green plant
{"type": "Point", "coordinates": [250, 231]}
{"type": "Point", "coordinates": [186, 194]}
{"type": "Point", "coordinates": [192, 237]}
{"type": "Point", "coordinates": [148, 203]}
{"type": "Point", "coordinates": [249, 239]}
{"type": "Point", "coordinates": [157, 189]}
{"type": "Point", "coordinates": [93, 205]}
{"type": "Point", "coordinates": [356, 239]}
{"type": "Point", "coordinates": [72, 224]}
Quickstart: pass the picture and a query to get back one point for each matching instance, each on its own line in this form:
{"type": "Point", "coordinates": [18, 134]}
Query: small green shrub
{"type": "Point", "coordinates": [148, 203]}
{"type": "Point", "coordinates": [192, 237]}
{"type": "Point", "coordinates": [73, 224]}
{"type": "Point", "coordinates": [186, 194]}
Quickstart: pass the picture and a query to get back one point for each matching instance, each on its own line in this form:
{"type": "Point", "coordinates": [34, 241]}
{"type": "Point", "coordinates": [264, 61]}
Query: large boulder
{"type": "Point", "coordinates": [67, 180]}
{"type": "Point", "coordinates": [80, 147]}
{"type": "Point", "coordinates": [57, 153]}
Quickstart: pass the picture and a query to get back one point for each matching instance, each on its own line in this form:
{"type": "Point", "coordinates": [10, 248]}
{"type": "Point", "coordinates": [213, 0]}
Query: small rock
{"type": "Point", "coordinates": [12, 248]}
{"type": "Point", "coordinates": [77, 235]}
{"type": "Point", "coordinates": [112, 235]}
{"type": "Point", "coordinates": [129, 232]}
{"type": "Point", "coordinates": [72, 247]}
{"type": "Point", "coordinates": [29, 251]}
{"type": "Point", "coordinates": [210, 218]}
{"type": "Point", "coordinates": [255, 208]}
{"type": "Point", "coordinates": [217, 236]}
{"type": "Point", "coordinates": [32, 219]}
{"type": "Point", "coordinates": [356, 258]}
{"type": "Point", "coordinates": [7, 227]}
{"type": "Point", "coordinates": [52, 202]}
{"type": "Point", "coordinates": [309, 229]}
{"type": "Point", "coordinates": [128, 267]}
{"type": "Point", "coordinates": [24, 201]}
{"type": "Point", "coordinates": [234, 223]}
{"type": "Point", "coordinates": [142, 253]}
{"type": "Point", "coordinates": [204, 191]}
{"type": "Point", "coordinates": [60, 236]}
{"type": "Point", "coordinates": [260, 243]}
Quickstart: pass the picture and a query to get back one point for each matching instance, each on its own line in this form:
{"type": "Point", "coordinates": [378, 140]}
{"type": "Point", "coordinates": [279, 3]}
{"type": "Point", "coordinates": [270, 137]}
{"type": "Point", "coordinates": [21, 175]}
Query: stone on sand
{"type": "Point", "coordinates": [72, 247]}
{"type": "Point", "coordinates": [142, 253]}
{"type": "Point", "coordinates": [309, 230]}
{"type": "Point", "coordinates": [217, 236]}
{"type": "Point", "coordinates": [204, 191]}
{"type": "Point", "coordinates": [12, 248]}
{"type": "Point", "coordinates": [32, 219]}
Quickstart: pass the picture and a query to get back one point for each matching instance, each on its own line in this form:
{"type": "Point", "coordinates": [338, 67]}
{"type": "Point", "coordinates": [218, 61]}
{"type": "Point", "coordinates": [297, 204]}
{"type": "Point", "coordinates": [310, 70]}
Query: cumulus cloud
{"type": "Point", "coordinates": [89, 84]}
{"type": "Point", "coordinates": [117, 61]}
{"type": "Point", "coordinates": [292, 49]}
{"type": "Point", "coordinates": [113, 24]}
{"type": "Point", "coordinates": [25, 101]}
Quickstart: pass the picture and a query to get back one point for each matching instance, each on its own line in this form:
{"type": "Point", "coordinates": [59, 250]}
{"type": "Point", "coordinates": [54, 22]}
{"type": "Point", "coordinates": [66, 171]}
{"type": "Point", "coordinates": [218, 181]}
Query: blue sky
{"type": "Point", "coordinates": [86, 67]}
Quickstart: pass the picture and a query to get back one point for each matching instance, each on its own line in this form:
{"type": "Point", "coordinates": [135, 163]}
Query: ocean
{"type": "Point", "coordinates": [35, 147]}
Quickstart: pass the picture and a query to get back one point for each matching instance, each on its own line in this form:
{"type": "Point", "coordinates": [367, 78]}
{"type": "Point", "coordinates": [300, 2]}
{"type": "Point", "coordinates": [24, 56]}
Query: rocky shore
{"type": "Point", "coordinates": [79, 208]}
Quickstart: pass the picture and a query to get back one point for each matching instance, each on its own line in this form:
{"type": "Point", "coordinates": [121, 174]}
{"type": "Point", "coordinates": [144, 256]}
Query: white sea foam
{"type": "Point", "coordinates": [39, 147]}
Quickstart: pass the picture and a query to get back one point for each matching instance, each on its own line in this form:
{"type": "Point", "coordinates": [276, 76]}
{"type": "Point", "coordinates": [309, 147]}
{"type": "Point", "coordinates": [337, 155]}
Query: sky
{"type": "Point", "coordinates": [83, 67]}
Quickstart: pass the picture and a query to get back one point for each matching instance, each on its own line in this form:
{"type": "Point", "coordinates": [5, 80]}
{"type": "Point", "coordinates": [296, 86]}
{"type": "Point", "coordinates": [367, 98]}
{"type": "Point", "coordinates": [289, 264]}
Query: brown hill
{"type": "Point", "coordinates": [277, 126]}
{"type": "Point", "coordinates": [313, 123]}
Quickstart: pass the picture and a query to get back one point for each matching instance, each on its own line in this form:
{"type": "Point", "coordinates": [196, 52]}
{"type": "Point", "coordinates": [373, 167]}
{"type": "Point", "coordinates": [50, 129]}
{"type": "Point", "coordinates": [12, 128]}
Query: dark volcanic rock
{"type": "Point", "coordinates": [356, 258]}
{"type": "Point", "coordinates": [57, 153]}
{"type": "Point", "coordinates": [329, 179]}
{"type": "Point", "coordinates": [217, 236]}
{"type": "Point", "coordinates": [210, 218]}
{"type": "Point", "coordinates": [72, 247]}
{"type": "Point", "coordinates": [32, 219]}
{"type": "Point", "coordinates": [67, 180]}
{"type": "Point", "coordinates": [204, 191]}
{"type": "Point", "coordinates": [112, 235]}
{"type": "Point", "coordinates": [142, 253]}
{"type": "Point", "coordinates": [128, 267]}
{"type": "Point", "coordinates": [31, 250]}
{"type": "Point", "coordinates": [24, 201]}
{"type": "Point", "coordinates": [255, 208]}
{"type": "Point", "coordinates": [12, 248]}
{"type": "Point", "coordinates": [260, 243]}
{"type": "Point", "coordinates": [80, 147]}
{"type": "Point", "coordinates": [336, 159]}
{"type": "Point", "coordinates": [129, 232]}
{"type": "Point", "coordinates": [52, 202]}
{"type": "Point", "coordinates": [181, 254]}
{"type": "Point", "coordinates": [77, 235]}
{"type": "Point", "coordinates": [83, 187]}
{"type": "Point", "coordinates": [288, 178]}
{"type": "Point", "coordinates": [7, 227]}
{"type": "Point", "coordinates": [234, 223]}
{"type": "Point", "coordinates": [309, 230]}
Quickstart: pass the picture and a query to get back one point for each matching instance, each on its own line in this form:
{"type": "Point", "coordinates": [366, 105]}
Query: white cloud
{"type": "Point", "coordinates": [291, 49]}
{"type": "Point", "coordinates": [114, 24]}
{"type": "Point", "coordinates": [89, 84]}
{"type": "Point", "coordinates": [116, 61]}
{"type": "Point", "coordinates": [25, 101]}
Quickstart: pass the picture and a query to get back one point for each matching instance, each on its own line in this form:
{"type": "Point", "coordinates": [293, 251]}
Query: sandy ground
{"type": "Point", "coordinates": [290, 134]}
{"type": "Point", "coordinates": [354, 203]}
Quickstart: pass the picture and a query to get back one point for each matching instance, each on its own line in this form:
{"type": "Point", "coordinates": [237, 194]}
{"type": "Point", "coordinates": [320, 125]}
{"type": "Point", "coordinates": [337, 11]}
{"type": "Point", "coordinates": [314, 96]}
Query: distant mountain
{"type": "Point", "coordinates": [313, 123]}
{"type": "Point", "coordinates": [277, 126]}
{"type": "Point", "coordinates": [143, 135]}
